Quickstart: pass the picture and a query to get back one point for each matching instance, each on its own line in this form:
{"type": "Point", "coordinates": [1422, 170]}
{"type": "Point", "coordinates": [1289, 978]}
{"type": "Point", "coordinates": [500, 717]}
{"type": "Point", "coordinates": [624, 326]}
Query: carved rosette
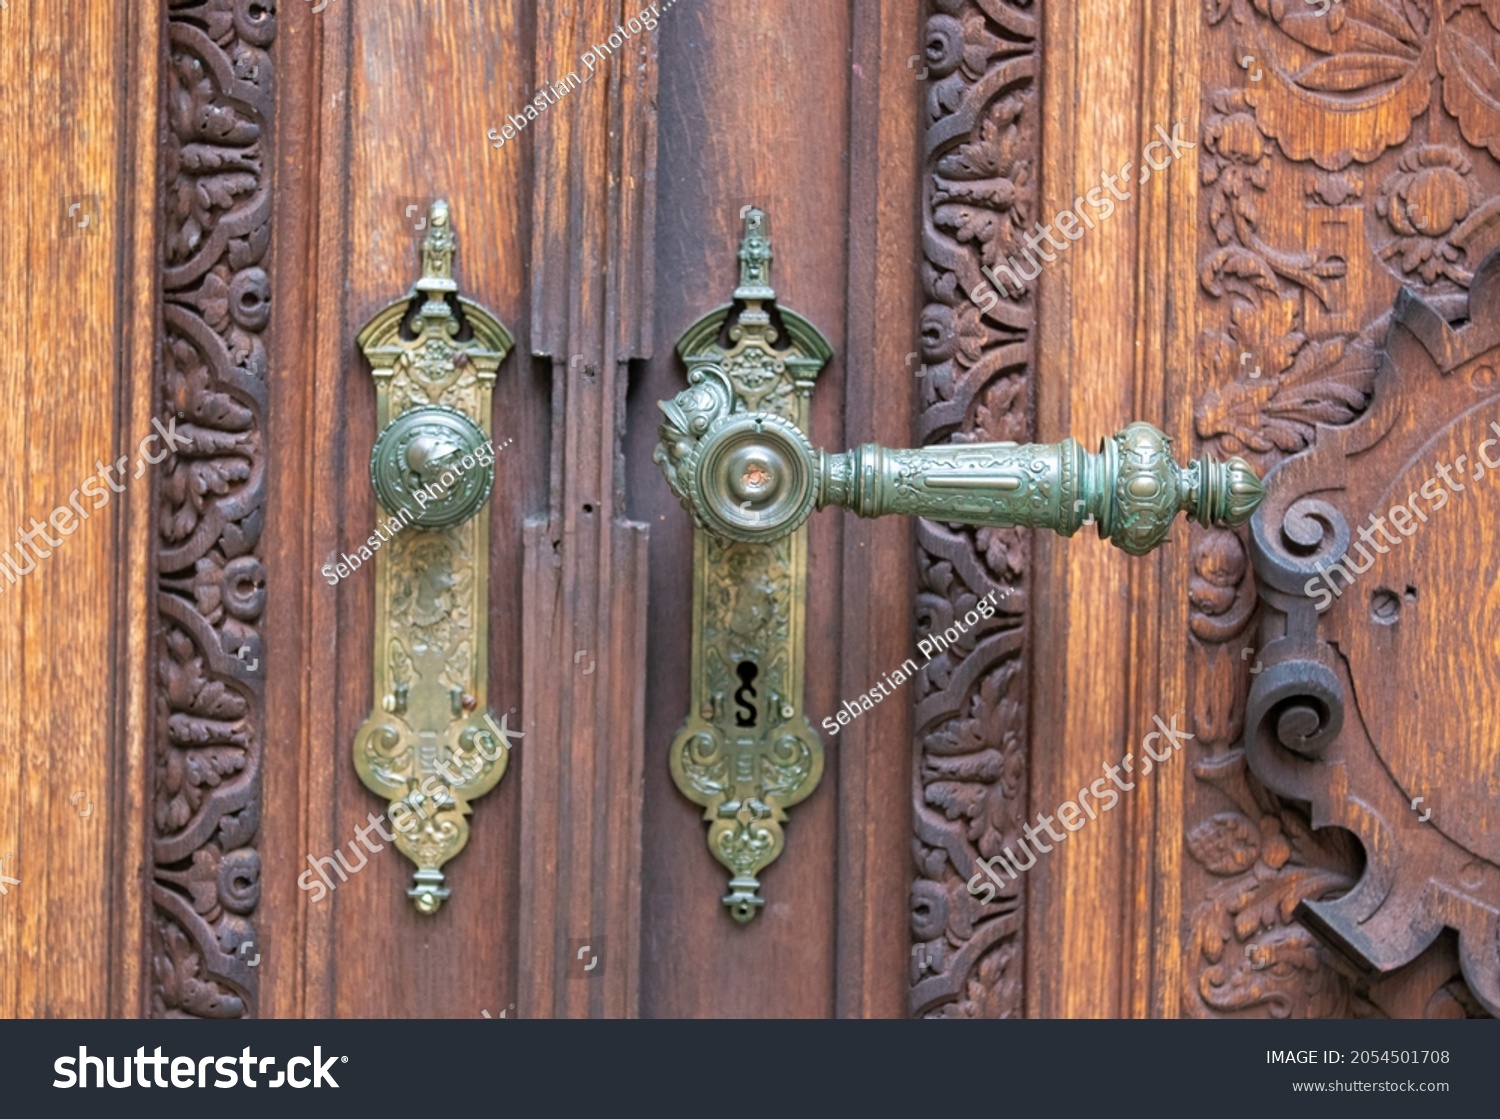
{"type": "Point", "coordinates": [983, 139]}
{"type": "Point", "coordinates": [207, 707]}
{"type": "Point", "coordinates": [1330, 177]}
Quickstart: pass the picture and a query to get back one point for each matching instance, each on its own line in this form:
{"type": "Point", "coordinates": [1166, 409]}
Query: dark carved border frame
{"type": "Point", "coordinates": [982, 137]}
{"type": "Point", "coordinates": [209, 497]}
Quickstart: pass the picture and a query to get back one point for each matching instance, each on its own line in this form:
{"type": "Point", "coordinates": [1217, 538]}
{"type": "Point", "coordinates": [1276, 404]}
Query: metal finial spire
{"type": "Point", "coordinates": [437, 251]}
{"type": "Point", "coordinates": [755, 259]}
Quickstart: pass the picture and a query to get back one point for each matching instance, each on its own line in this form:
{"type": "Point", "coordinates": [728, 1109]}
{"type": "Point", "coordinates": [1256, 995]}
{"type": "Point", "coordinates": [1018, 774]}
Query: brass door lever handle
{"type": "Point", "coordinates": [733, 450]}
{"type": "Point", "coordinates": [754, 477]}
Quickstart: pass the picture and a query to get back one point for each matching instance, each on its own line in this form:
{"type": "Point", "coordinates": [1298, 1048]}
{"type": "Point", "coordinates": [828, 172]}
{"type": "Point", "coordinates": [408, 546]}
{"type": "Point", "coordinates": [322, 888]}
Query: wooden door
{"type": "Point", "coordinates": [1300, 281]}
{"type": "Point", "coordinates": [596, 229]}
{"type": "Point", "coordinates": [81, 230]}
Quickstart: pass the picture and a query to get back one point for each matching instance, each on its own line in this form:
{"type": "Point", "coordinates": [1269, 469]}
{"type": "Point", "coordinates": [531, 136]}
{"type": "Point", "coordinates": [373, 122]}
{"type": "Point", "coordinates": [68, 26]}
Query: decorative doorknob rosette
{"type": "Point", "coordinates": [430, 746]}
{"type": "Point", "coordinates": [753, 477]}
{"type": "Point", "coordinates": [733, 450]}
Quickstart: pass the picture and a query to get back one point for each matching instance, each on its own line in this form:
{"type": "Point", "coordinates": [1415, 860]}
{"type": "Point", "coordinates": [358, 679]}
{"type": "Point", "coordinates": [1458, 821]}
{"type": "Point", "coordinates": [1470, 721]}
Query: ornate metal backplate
{"type": "Point", "coordinates": [430, 746]}
{"type": "Point", "coordinates": [747, 750]}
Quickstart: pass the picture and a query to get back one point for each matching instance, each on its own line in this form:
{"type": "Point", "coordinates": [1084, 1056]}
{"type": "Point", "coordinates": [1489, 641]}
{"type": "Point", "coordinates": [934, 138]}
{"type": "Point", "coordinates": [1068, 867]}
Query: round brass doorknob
{"type": "Point", "coordinates": [435, 462]}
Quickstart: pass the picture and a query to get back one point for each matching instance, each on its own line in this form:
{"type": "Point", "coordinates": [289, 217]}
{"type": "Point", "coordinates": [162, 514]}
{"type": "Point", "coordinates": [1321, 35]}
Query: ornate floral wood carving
{"type": "Point", "coordinates": [1334, 718]}
{"type": "Point", "coordinates": [210, 498]}
{"type": "Point", "coordinates": [1331, 177]}
{"type": "Point", "coordinates": [982, 140]}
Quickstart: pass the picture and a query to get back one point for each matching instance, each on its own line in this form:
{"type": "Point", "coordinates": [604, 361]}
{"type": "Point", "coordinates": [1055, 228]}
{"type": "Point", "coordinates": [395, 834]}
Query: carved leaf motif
{"type": "Point", "coordinates": [187, 776]}
{"type": "Point", "coordinates": [181, 985]}
{"type": "Point", "coordinates": [203, 880]}
{"type": "Point", "coordinates": [1362, 64]}
{"type": "Point", "coordinates": [1000, 415]}
{"type": "Point", "coordinates": [1347, 73]}
{"type": "Point", "coordinates": [192, 387]}
{"type": "Point", "coordinates": [993, 990]}
{"type": "Point", "coordinates": [1245, 941]}
{"type": "Point", "coordinates": [1260, 417]}
{"type": "Point", "coordinates": [1471, 85]}
{"type": "Point", "coordinates": [1225, 844]}
{"type": "Point", "coordinates": [983, 190]}
{"type": "Point", "coordinates": [974, 765]}
{"type": "Point", "coordinates": [1004, 551]}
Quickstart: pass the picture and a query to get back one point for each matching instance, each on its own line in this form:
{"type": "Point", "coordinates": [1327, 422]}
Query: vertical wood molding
{"type": "Point", "coordinates": [208, 729]}
{"type": "Point", "coordinates": [884, 301]}
{"type": "Point", "coordinates": [1168, 279]}
{"type": "Point", "coordinates": [585, 561]}
{"type": "Point", "coordinates": [1157, 683]}
{"type": "Point", "coordinates": [130, 908]}
{"type": "Point", "coordinates": [318, 248]}
{"type": "Point", "coordinates": [1086, 369]}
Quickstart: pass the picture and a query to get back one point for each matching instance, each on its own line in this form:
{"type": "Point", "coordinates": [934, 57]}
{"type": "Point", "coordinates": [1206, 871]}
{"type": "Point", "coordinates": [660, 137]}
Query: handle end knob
{"type": "Point", "coordinates": [1232, 491]}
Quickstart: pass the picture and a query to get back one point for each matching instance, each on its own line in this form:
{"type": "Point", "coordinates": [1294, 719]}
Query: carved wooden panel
{"type": "Point", "coordinates": [1344, 154]}
{"type": "Point", "coordinates": [1375, 701]}
{"type": "Point", "coordinates": [208, 725]}
{"type": "Point", "coordinates": [970, 769]}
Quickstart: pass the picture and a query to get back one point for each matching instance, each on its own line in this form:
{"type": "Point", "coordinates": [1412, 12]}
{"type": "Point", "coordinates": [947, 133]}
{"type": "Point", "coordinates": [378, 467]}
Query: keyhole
{"type": "Point", "coordinates": [747, 671]}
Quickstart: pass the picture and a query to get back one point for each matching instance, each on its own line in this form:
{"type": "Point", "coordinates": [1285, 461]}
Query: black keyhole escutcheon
{"type": "Point", "coordinates": [747, 671]}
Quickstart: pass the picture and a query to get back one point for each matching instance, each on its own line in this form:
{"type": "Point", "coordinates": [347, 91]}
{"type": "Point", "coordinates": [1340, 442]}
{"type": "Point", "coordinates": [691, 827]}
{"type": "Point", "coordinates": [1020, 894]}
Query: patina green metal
{"type": "Point", "coordinates": [754, 477]}
{"type": "Point", "coordinates": [733, 450]}
{"type": "Point", "coordinates": [747, 751]}
{"type": "Point", "coordinates": [430, 746]}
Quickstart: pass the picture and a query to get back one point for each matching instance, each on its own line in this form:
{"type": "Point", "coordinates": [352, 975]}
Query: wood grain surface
{"type": "Point", "coordinates": [1301, 287]}
{"type": "Point", "coordinates": [79, 120]}
{"type": "Point", "coordinates": [367, 131]}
